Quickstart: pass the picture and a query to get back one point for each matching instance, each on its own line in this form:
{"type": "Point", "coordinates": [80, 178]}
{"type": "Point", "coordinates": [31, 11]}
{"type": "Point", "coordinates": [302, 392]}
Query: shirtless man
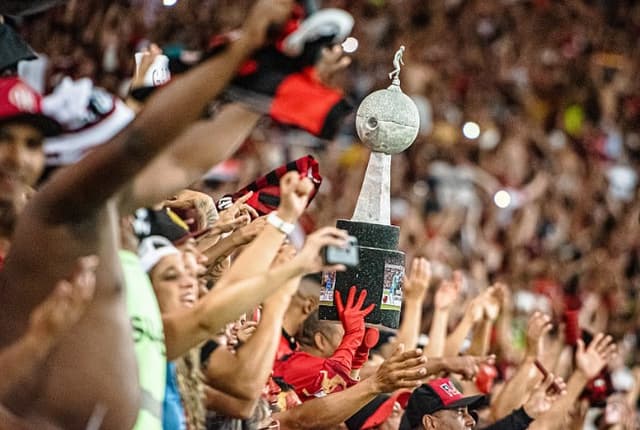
{"type": "Point", "coordinates": [92, 372]}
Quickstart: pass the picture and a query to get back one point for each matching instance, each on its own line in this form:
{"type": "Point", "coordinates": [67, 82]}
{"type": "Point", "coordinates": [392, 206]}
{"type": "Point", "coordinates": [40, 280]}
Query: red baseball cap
{"type": "Point", "coordinates": [21, 103]}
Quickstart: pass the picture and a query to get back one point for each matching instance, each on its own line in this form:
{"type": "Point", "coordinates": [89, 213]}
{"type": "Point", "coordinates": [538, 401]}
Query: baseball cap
{"type": "Point", "coordinates": [164, 223]}
{"type": "Point", "coordinates": [90, 116]}
{"type": "Point", "coordinates": [153, 249]}
{"type": "Point", "coordinates": [21, 103]}
{"type": "Point", "coordinates": [437, 395]}
{"type": "Point", "coordinates": [377, 411]}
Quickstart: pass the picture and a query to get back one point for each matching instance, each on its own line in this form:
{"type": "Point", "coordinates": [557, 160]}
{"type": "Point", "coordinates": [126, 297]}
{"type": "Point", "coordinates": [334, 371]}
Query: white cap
{"type": "Point", "coordinates": [90, 115]}
{"type": "Point", "coordinates": [153, 249]}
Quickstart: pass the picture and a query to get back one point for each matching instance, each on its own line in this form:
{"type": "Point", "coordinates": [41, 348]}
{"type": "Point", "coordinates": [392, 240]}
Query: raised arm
{"type": "Point", "coordinates": [416, 286]}
{"type": "Point", "coordinates": [589, 363]}
{"type": "Point", "coordinates": [258, 255]}
{"type": "Point", "coordinates": [76, 192]}
{"type": "Point", "coordinates": [187, 328]}
{"type": "Point", "coordinates": [196, 150]}
{"type": "Point", "coordinates": [255, 358]}
{"type": "Point", "coordinates": [444, 298]}
{"type": "Point", "coordinates": [515, 391]}
{"type": "Point", "coordinates": [403, 370]}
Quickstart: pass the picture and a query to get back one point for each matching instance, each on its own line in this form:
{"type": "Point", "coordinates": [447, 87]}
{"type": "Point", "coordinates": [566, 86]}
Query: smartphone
{"type": "Point", "coordinates": [349, 255]}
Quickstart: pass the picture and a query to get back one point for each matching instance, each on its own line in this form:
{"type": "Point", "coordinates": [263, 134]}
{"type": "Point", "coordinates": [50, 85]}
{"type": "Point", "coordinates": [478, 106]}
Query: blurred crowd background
{"type": "Point", "coordinates": [526, 167]}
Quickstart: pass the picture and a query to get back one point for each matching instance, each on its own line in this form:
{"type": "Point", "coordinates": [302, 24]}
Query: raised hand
{"type": "Point", "coordinates": [544, 396]}
{"type": "Point", "coordinates": [197, 209]}
{"type": "Point", "coordinates": [351, 313]}
{"type": "Point", "coordinates": [66, 304]}
{"type": "Point", "coordinates": [417, 284]}
{"type": "Point", "coordinates": [239, 214]}
{"type": "Point", "coordinates": [309, 259]}
{"type": "Point", "coordinates": [448, 292]}
{"type": "Point", "coordinates": [246, 331]}
{"type": "Point", "coordinates": [294, 196]}
{"type": "Point", "coordinates": [592, 360]}
{"type": "Point", "coordinates": [537, 328]}
{"type": "Point", "coordinates": [466, 365]}
{"type": "Point", "coordinates": [404, 369]}
{"type": "Point", "coordinates": [262, 15]}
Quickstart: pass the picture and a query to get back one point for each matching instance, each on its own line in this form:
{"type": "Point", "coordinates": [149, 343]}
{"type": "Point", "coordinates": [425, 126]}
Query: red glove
{"type": "Point", "coordinates": [371, 337]}
{"type": "Point", "coordinates": [352, 317]}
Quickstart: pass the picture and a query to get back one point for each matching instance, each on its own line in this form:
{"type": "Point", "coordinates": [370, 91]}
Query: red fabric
{"type": "Point", "coordinates": [18, 98]}
{"type": "Point", "coordinates": [485, 378]}
{"type": "Point", "coordinates": [385, 410]}
{"type": "Point", "coordinates": [312, 376]}
{"type": "Point", "coordinates": [352, 318]}
{"type": "Point", "coordinates": [284, 348]}
{"type": "Point", "coordinates": [266, 190]}
{"type": "Point", "coordinates": [304, 102]}
{"type": "Point", "coordinates": [445, 389]}
{"type": "Point", "coordinates": [370, 339]}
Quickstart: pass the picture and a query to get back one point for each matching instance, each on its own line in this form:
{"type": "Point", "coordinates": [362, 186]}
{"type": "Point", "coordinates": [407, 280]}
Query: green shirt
{"type": "Point", "coordinates": [148, 336]}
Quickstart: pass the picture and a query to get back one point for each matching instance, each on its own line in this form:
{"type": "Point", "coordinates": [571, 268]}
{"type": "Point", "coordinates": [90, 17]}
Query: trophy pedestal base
{"type": "Point", "coordinates": [381, 272]}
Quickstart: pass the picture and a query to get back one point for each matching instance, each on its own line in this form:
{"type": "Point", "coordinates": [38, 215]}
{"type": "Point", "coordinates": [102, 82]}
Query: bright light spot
{"type": "Point", "coordinates": [169, 3]}
{"type": "Point", "coordinates": [471, 130]}
{"type": "Point", "coordinates": [502, 199]}
{"type": "Point", "coordinates": [350, 44]}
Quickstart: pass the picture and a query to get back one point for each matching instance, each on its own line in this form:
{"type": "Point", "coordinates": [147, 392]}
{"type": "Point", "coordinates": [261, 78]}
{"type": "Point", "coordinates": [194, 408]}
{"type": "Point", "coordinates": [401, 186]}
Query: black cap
{"type": "Point", "coordinates": [439, 394]}
{"type": "Point", "coordinates": [13, 49]}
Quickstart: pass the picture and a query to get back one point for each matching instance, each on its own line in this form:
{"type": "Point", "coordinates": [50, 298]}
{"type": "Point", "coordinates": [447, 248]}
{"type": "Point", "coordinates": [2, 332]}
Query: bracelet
{"type": "Point", "coordinates": [285, 227]}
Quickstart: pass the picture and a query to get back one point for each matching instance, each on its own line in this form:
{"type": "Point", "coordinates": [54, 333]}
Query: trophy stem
{"type": "Point", "coordinates": [373, 204]}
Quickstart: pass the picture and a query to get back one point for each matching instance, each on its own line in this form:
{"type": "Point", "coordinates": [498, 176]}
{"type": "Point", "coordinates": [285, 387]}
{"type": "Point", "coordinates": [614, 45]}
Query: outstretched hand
{"type": "Point", "coordinates": [417, 284]}
{"type": "Point", "coordinates": [544, 396]}
{"type": "Point", "coordinates": [404, 369]}
{"type": "Point", "coordinates": [537, 328]}
{"type": "Point", "coordinates": [448, 292]}
{"type": "Point", "coordinates": [468, 366]}
{"type": "Point", "coordinates": [593, 359]}
{"type": "Point", "coordinates": [309, 259]}
{"type": "Point", "coordinates": [351, 314]}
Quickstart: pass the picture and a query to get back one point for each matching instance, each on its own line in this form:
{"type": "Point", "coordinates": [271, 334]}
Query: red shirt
{"type": "Point", "coordinates": [312, 376]}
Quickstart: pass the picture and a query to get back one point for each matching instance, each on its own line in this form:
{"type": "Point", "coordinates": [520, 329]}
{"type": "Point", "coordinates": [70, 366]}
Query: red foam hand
{"type": "Point", "coordinates": [352, 317]}
{"type": "Point", "coordinates": [371, 337]}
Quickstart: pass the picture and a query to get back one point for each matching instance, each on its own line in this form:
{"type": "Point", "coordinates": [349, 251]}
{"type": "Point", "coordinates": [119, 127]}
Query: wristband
{"type": "Point", "coordinates": [285, 227]}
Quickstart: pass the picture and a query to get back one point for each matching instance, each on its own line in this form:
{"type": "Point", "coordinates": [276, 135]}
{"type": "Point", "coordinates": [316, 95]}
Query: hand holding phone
{"type": "Point", "coordinates": [348, 256]}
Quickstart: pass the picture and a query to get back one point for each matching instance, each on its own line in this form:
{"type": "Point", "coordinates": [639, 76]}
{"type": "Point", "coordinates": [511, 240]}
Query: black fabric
{"type": "Point", "coordinates": [149, 222]}
{"type": "Point", "coordinates": [207, 349]}
{"type": "Point", "coordinates": [357, 420]}
{"type": "Point", "coordinates": [291, 340]}
{"type": "Point", "coordinates": [333, 121]}
{"type": "Point", "coordinates": [142, 94]}
{"type": "Point", "coordinates": [13, 49]}
{"type": "Point", "coordinates": [517, 420]}
{"type": "Point", "coordinates": [26, 7]}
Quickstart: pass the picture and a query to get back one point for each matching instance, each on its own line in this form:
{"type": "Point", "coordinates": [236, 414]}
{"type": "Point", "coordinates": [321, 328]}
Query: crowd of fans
{"type": "Point", "coordinates": [141, 289]}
